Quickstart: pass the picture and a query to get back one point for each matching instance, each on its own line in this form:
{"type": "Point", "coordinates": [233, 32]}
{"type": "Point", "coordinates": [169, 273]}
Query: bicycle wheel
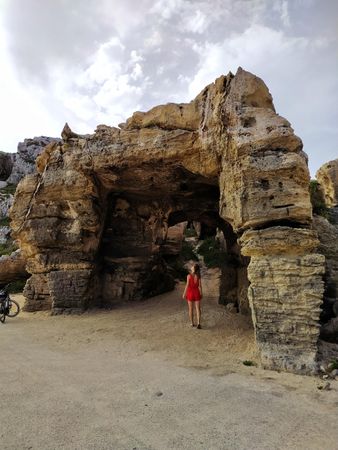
{"type": "Point", "coordinates": [14, 308]}
{"type": "Point", "coordinates": [2, 314]}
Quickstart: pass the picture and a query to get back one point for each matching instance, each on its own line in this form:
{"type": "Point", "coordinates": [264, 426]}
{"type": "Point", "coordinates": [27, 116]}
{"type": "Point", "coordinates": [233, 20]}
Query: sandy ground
{"type": "Point", "coordinates": [138, 377]}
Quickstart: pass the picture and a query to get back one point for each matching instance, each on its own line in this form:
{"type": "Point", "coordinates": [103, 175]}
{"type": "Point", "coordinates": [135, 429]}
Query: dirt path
{"type": "Point", "coordinates": [138, 377]}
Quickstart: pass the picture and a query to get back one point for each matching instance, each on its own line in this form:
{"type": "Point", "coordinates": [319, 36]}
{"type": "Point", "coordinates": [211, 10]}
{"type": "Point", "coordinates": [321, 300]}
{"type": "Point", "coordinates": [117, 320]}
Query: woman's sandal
{"type": "Point", "coordinates": [199, 326]}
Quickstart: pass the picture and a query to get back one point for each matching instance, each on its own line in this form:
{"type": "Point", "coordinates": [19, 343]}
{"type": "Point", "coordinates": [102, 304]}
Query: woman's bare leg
{"type": "Point", "coordinates": [198, 312]}
{"type": "Point", "coordinates": [191, 312]}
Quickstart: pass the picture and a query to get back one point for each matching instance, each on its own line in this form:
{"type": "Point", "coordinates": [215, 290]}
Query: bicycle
{"type": "Point", "coordinates": [8, 306]}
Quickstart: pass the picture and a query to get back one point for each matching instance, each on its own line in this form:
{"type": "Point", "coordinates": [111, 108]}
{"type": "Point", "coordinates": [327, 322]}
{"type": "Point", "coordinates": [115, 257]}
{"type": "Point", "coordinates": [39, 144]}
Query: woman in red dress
{"type": "Point", "coordinates": [193, 294]}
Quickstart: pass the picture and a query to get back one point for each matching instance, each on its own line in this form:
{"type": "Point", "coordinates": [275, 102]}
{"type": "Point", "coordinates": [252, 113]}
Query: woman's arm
{"type": "Point", "coordinates": [200, 287]}
{"type": "Point", "coordinates": [186, 287]}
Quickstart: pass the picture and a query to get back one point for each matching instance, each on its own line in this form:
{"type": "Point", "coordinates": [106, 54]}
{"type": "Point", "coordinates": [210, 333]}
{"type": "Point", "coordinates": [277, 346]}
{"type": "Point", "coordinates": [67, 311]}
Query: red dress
{"type": "Point", "coordinates": [193, 293]}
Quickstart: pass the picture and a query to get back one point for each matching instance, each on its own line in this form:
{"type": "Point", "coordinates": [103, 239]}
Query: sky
{"type": "Point", "coordinates": [88, 62]}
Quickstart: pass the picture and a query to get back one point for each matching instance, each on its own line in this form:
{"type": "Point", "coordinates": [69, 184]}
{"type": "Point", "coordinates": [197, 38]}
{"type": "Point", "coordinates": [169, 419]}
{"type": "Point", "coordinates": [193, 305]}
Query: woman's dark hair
{"type": "Point", "coordinates": [197, 270]}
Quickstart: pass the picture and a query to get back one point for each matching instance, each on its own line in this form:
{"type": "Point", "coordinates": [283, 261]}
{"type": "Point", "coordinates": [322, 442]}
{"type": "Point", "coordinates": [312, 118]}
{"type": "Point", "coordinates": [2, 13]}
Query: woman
{"type": "Point", "coordinates": [193, 294]}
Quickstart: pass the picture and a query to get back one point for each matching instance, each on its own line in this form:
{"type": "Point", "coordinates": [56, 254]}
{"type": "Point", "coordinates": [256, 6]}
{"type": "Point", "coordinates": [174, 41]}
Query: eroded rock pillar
{"type": "Point", "coordinates": [285, 295]}
{"type": "Point", "coordinates": [57, 218]}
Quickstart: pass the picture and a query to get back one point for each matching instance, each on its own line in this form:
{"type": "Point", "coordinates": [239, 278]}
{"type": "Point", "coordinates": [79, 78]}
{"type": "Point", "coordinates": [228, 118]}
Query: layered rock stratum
{"type": "Point", "coordinates": [93, 221]}
{"type": "Point", "coordinates": [13, 167]}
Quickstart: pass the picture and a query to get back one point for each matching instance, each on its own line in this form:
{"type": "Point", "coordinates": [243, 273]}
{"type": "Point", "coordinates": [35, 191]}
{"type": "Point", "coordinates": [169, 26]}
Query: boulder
{"type": "Point", "coordinates": [327, 176]}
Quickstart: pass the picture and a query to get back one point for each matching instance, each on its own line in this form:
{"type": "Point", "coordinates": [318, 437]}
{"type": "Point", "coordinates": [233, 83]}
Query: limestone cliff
{"type": "Point", "coordinates": [93, 221]}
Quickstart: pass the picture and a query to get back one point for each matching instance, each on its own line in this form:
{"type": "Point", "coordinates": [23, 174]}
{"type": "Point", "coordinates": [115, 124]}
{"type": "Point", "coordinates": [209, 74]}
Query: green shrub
{"type": "Point", "coordinates": [210, 244]}
{"type": "Point", "coordinates": [190, 232]}
{"type": "Point", "coordinates": [177, 269]}
{"type": "Point", "coordinates": [176, 263]}
{"type": "Point", "coordinates": [214, 255]}
{"type": "Point", "coordinates": [187, 252]}
{"type": "Point", "coordinates": [334, 364]}
{"type": "Point", "coordinates": [4, 222]}
{"type": "Point", "coordinates": [16, 286]}
{"type": "Point", "coordinates": [9, 189]}
{"type": "Point", "coordinates": [8, 248]}
{"type": "Point", "coordinates": [249, 363]}
{"type": "Point", "coordinates": [317, 200]}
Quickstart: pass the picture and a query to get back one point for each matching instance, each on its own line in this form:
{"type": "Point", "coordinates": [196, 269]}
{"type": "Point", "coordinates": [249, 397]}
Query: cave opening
{"type": "Point", "coordinates": [211, 242]}
{"type": "Point", "coordinates": [147, 222]}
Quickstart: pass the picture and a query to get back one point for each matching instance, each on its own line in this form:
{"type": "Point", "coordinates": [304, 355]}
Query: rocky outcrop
{"type": "Point", "coordinates": [328, 236]}
{"type": "Point", "coordinates": [285, 294]}
{"type": "Point", "coordinates": [6, 165]}
{"type": "Point", "coordinates": [12, 267]}
{"type": "Point", "coordinates": [174, 239]}
{"type": "Point", "coordinates": [6, 201]}
{"type": "Point", "coordinates": [5, 233]}
{"type": "Point", "coordinates": [94, 219]}
{"type": "Point", "coordinates": [24, 159]}
{"type": "Point", "coordinates": [327, 177]}
{"type": "Point", "coordinates": [13, 167]}
{"type": "Point", "coordinates": [327, 229]}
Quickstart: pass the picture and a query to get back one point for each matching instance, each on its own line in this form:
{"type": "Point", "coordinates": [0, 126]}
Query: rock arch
{"type": "Point", "coordinates": [229, 150]}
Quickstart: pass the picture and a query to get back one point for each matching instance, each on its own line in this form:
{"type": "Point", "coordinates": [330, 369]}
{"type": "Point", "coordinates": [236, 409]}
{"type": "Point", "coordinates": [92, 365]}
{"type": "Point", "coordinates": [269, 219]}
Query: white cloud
{"type": "Point", "coordinates": [183, 79]}
{"type": "Point", "coordinates": [105, 90]}
{"type": "Point", "coordinates": [117, 99]}
{"type": "Point", "coordinates": [104, 65]}
{"type": "Point", "coordinates": [282, 8]}
{"type": "Point", "coordinates": [154, 40]}
{"type": "Point", "coordinates": [135, 57]}
{"type": "Point", "coordinates": [285, 13]}
{"type": "Point", "coordinates": [124, 16]}
{"type": "Point", "coordinates": [256, 48]}
{"type": "Point", "coordinates": [82, 104]}
{"type": "Point", "coordinates": [23, 114]}
{"type": "Point", "coordinates": [167, 8]}
{"type": "Point", "coordinates": [197, 23]}
{"type": "Point", "coordinates": [137, 72]}
{"type": "Point", "coordinates": [112, 57]}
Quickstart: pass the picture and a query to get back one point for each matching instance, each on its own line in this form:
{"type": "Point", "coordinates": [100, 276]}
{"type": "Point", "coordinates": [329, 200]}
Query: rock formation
{"type": "Point", "coordinates": [93, 221]}
{"type": "Point", "coordinates": [328, 236]}
{"type": "Point", "coordinates": [174, 239]}
{"type": "Point", "coordinates": [12, 268]}
{"type": "Point", "coordinates": [327, 177]}
{"type": "Point", "coordinates": [325, 201]}
{"type": "Point", "coordinates": [327, 229]}
{"type": "Point", "coordinates": [24, 159]}
{"type": "Point", "coordinates": [13, 167]}
{"type": "Point", "coordinates": [6, 165]}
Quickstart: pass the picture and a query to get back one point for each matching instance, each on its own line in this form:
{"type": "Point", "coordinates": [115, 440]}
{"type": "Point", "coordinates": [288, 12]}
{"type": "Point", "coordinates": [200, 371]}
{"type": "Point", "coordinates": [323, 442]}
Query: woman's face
{"type": "Point", "coordinates": [193, 269]}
